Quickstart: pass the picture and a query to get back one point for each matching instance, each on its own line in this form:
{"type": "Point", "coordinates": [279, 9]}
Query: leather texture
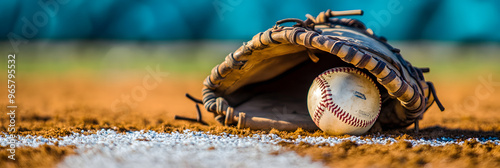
{"type": "Point", "coordinates": [268, 77]}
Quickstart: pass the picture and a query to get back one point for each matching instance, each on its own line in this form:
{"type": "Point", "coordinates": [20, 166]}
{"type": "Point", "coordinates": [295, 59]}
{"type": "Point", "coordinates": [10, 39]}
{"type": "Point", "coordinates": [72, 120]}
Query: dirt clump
{"type": "Point", "coordinates": [402, 154]}
{"type": "Point", "coordinates": [44, 156]}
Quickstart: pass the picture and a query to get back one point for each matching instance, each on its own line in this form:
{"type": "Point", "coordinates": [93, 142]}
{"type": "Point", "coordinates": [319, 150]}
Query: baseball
{"type": "Point", "coordinates": [344, 100]}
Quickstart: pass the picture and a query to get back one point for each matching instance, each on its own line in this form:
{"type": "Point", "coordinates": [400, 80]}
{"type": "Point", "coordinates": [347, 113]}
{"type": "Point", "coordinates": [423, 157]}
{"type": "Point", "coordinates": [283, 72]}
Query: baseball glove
{"type": "Point", "coordinates": [264, 84]}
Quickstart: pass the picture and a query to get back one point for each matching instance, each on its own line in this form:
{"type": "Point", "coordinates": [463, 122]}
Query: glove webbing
{"type": "Point", "coordinates": [411, 96]}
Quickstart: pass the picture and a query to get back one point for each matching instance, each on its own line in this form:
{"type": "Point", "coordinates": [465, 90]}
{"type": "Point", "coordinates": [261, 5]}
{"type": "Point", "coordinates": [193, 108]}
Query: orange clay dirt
{"type": "Point", "coordinates": [57, 105]}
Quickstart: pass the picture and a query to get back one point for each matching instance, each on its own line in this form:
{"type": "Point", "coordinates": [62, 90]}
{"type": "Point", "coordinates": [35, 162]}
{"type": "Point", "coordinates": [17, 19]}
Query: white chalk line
{"type": "Point", "coordinates": [107, 148]}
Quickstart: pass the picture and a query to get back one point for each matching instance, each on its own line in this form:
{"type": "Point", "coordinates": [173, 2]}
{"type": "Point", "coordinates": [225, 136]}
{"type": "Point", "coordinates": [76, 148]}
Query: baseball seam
{"type": "Point", "coordinates": [319, 111]}
{"type": "Point", "coordinates": [327, 101]}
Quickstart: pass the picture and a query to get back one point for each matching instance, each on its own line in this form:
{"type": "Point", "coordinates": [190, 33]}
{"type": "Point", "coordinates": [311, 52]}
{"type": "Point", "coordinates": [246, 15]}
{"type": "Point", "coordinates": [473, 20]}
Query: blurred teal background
{"type": "Point", "coordinates": [440, 20]}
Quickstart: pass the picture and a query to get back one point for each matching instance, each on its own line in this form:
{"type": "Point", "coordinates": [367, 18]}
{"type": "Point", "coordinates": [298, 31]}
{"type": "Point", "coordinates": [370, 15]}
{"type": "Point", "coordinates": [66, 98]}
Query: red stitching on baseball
{"type": "Point", "coordinates": [327, 103]}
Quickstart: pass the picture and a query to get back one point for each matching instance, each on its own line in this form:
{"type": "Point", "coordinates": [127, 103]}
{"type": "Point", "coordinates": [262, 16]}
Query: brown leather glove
{"type": "Point", "coordinates": [264, 84]}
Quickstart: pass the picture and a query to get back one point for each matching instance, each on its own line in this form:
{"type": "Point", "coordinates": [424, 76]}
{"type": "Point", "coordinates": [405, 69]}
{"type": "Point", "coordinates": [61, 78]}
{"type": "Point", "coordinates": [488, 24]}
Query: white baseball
{"type": "Point", "coordinates": [344, 100]}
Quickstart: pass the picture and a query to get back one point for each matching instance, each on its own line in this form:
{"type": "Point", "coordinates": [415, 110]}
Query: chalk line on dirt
{"type": "Point", "coordinates": [107, 148]}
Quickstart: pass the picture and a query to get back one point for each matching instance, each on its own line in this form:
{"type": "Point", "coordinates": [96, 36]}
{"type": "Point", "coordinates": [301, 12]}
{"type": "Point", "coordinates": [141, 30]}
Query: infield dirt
{"type": "Point", "coordinates": [57, 105]}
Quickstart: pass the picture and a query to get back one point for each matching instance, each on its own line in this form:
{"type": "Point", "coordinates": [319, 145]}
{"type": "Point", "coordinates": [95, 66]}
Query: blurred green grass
{"type": "Point", "coordinates": [97, 57]}
{"type": "Point", "coordinates": [199, 57]}
{"type": "Point", "coordinates": [452, 60]}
